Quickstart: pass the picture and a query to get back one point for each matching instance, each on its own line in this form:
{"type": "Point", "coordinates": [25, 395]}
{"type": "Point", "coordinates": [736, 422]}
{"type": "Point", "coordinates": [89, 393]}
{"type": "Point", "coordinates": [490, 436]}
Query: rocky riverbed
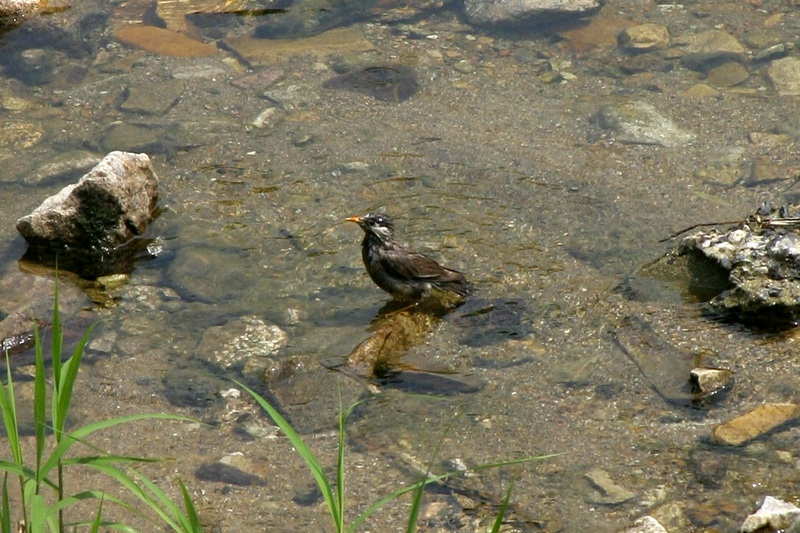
{"type": "Point", "coordinates": [545, 160]}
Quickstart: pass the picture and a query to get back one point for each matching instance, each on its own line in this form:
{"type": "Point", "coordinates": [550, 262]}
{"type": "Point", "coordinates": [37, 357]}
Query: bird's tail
{"type": "Point", "coordinates": [459, 286]}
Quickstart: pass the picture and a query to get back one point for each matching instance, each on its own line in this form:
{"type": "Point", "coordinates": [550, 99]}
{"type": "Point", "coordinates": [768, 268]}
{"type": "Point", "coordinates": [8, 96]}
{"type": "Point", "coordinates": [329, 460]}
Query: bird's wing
{"type": "Point", "coordinates": [404, 263]}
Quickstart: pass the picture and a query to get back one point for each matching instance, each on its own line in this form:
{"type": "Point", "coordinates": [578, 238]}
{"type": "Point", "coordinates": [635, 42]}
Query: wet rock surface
{"type": "Point", "coordinates": [514, 11]}
{"type": "Point", "coordinates": [638, 122]}
{"type": "Point", "coordinates": [773, 515]}
{"type": "Point", "coordinates": [755, 423]}
{"type": "Point", "coordinates": [110, 205]}
{"type": "Point", "coordinates": [239, 340]}
{"type": "Point", "coordinates": [762, 260]}
{"type": "Point", "coordinates": [708, 381]}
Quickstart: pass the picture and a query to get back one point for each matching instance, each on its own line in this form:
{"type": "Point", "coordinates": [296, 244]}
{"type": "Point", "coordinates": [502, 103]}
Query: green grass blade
{"type": "Point", "coordinates": [435, 479]}
{"type": "Point", "coordinates": [308, 456]}
{"type": "Point", "coordinates": [39, 399]}
{"type": "Point", "coordinates": [58, 333]}
{"type": "Point", "coordinates": [191, 512]}
{"type": "Point", "coordinates": [38, 513]}
{"type": "Point", "coordinates": [159, 498]}
{"type": "Point", "coordinates": [18, 469]}
{"type": "Point", "coordinates": [498, 522]}
{"type": "Point", "coordinates": [96, 523]}
{"type": "Point", "coordinates": [340, 465]}
{"type": "Point", "coordinates": [89, 495]}
{"type": "Point", "coordinates": [9, 408]}
{"type": "Point", "coordinates": [66, 383]}
{"type": "Point", "coordinates": [39, 405]}
{"type": "Point", "coordinates": [133, 488]}
{"type": "Point", "coordinates": [79, 434]}
{"type": "Point", "coordinates": [5, 519]}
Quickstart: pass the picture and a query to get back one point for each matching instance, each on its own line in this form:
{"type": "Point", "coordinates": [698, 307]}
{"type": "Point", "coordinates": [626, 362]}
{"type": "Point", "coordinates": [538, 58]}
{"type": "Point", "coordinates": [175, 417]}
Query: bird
{"type": "Point", "coordinates": [397, 269]}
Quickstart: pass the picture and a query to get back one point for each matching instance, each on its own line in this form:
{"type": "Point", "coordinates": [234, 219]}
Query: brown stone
{"type": "Point", "coordinates": [727, 75]}
{"type": "Point", "coordinates": [163, 42]}
{"type": "Point", "coordinates": [755, 423]}
{"type": "Point", "coordinates": [599, 34]}
{"type": "Point", "coordinates": [644, 37]}
{"type": "Point", "coordinates": [270, 51]}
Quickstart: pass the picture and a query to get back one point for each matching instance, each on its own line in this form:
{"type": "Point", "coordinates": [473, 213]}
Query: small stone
{"type": "Point", "coordinates": [645, 524]}
{"type": "Point", "coordinates": [757, 422]}
{"type": "Point", "coordinates": [240, 339]}
{"type": "Point", "coordinates": [701, 90]}
{"type": "Point", "coordinates": [706, 381]}
{"type": "Point", "coordinates": [163, 42]}
{"type": "Point", "coordinates": [302, 139]}
{"type": "Point", "coordinates": [769, 139]}
{"type": "Point", "coordinates": [608, 492]}
{"type": "Point", "coordinates": [711, 48]}
{"type": "Point", "coordinates": [770, 53]}
{"type": "Point", "coordinates": [727, 75]}
{"type": "Point", "coordinates": [355, 167]}
{"type": "Point", "coordinates": [267, 117]}
{"type": "Point", "coordinates": [270, 51]}
{"type": "Point", "coordinates": [784, 75]}
{"type": "Point", "coordinates": [638, 122]}
{"type": "Point", "coordinates": [464, 67]}
{"type": "Point", "coordinates": [644, 37]}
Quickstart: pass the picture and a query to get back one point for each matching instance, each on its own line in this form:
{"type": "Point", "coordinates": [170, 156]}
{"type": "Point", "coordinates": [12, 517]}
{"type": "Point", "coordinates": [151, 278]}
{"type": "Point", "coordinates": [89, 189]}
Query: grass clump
{"type": "Point", "coordinates": [333, 491]}
{"type": "Point", "coordinates": [43, 497]}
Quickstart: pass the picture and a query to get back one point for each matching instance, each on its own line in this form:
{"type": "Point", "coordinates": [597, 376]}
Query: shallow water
{"type": "Point", "coordinates": [486, 168]}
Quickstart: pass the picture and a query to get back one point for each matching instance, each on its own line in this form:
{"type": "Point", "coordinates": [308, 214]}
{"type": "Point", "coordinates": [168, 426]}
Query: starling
{"type": "Point", "coordinates": [399, 270]}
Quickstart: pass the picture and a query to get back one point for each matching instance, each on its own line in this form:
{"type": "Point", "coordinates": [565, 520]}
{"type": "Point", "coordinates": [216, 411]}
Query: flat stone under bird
{"type": "Point", "coordinates": [397, 269]}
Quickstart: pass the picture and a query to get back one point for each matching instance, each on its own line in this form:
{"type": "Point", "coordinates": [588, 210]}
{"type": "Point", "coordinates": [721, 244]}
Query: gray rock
{"type": "Point", "coordinates": [776, 51]}
{"type": "Point", "coordinates": [710, 48]}
{"type": "Point", "coordinates": [774, 515]}
{"type": "Point", "coordinates": [637, 122]}
{"type": "Point", "coordinates": [784, 76]}
{"type": "Point", "coordinates": [762, 262]}
{"type": "Point", "coordinates": [240, 339]}
{"type": "Point", "coordinates": [501, 11]}
{"type": "Point", "coordinates": [110, 205]}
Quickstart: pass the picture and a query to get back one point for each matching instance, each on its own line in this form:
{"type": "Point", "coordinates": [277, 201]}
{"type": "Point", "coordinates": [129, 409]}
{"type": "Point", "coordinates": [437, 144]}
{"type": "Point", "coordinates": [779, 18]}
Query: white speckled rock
{"type": "Point", "coordinates": [501, 11]}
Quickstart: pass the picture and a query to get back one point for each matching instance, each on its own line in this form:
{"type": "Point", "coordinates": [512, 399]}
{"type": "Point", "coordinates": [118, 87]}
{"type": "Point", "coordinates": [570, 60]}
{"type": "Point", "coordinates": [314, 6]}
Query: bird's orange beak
{"type": "Point", "coordinates": [353, 219]}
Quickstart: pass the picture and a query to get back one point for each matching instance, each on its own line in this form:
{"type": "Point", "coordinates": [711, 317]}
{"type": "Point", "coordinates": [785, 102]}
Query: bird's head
{"type": "Point", "coordinates": [376, 224]}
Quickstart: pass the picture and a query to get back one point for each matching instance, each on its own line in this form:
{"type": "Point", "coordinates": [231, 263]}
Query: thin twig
{"type": "Point", "coordinates": [702, 224]}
